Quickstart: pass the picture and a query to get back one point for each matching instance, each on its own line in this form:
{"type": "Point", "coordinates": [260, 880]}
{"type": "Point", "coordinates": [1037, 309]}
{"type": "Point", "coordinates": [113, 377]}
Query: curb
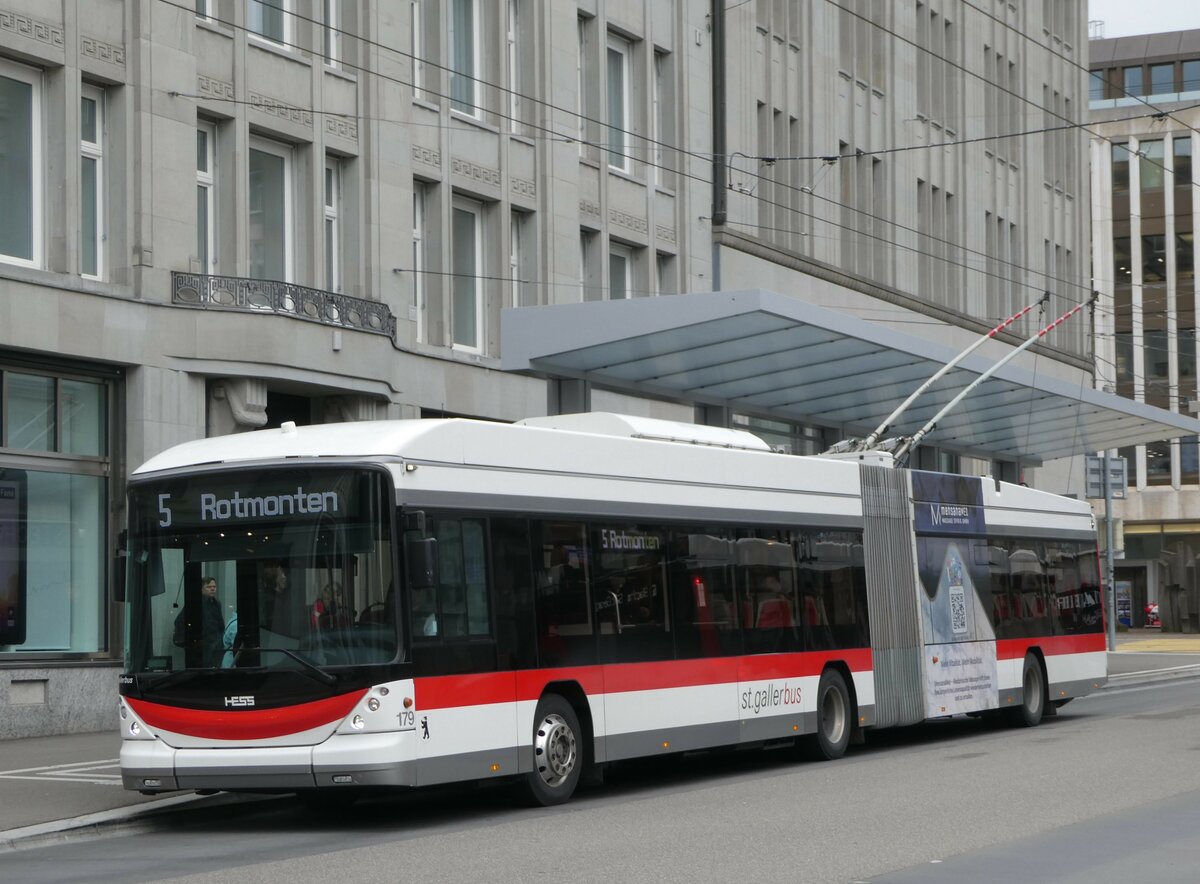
{"type": "Point", "coordinates": [1152, 676]}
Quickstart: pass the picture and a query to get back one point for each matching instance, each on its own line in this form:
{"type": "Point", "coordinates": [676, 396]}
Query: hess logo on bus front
{"type": "Point", "coordinates": [240, 702]}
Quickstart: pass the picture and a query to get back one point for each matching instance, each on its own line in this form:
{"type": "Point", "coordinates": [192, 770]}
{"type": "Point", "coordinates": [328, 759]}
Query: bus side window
{"type": "Point", "coordinates": [562, 597]}
{"type": "Point", "coordinates": [458, 607]}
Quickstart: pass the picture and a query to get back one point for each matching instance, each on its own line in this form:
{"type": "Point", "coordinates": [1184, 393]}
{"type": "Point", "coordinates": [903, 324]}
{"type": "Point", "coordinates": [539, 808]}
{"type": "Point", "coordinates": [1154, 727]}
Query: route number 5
{"type": "Point", "coordinates": [164, 511]}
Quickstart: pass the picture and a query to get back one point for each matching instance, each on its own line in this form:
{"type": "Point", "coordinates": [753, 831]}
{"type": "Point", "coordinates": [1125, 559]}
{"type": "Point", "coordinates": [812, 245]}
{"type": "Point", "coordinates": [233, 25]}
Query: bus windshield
{"type": "Point", "coordinates": [283, 569]}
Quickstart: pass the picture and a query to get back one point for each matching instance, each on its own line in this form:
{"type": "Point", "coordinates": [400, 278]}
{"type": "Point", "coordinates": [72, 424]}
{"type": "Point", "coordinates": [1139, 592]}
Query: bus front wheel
{"type": "Point", "coordinates": [557, 752]}
{"type": "Point", "coordinates": [834, 720]}
{"type": "Point", "coordinates": [1033, 694]}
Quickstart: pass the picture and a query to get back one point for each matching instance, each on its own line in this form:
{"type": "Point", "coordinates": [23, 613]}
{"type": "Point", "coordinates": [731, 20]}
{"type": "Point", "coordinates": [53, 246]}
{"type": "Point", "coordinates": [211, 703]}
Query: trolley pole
{"type": "Point", "coordinates": [1108, 557]}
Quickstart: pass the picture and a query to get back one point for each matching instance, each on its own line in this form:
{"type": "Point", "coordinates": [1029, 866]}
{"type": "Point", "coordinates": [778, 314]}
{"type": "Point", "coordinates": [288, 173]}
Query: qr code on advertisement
{"type": "Point", "coordinates": [958, 609]}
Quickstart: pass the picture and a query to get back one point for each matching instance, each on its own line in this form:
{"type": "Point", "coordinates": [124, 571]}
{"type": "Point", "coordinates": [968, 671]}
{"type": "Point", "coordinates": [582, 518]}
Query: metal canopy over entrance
{"type": "Point", "coordinates": [763, 353]}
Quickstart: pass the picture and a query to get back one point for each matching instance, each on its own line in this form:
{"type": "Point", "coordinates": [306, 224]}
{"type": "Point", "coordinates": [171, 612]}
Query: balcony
{"type": "Point", "coordinates": [282, 298]}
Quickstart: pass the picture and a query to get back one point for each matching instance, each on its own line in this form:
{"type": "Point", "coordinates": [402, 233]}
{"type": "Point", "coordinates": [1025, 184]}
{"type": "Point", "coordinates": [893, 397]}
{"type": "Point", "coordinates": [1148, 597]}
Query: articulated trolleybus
{"type": "Point", "coordinates": [332, 608]}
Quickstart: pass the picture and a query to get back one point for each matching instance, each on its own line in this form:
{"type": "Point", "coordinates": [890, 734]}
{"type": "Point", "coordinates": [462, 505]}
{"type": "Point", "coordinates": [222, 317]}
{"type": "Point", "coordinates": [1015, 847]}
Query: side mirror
{"type": "Point", "coordinates": [421, 562]}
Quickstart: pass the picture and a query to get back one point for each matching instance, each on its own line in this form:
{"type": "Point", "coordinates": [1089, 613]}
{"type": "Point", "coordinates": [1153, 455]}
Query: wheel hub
{"type": "Point", "coordinates": [554, 750]}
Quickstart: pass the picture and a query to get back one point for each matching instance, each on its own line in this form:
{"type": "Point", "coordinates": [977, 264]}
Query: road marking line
{"type": "Point", "coordinates": [74, 764]}
{"type": "Point", "coordinates": [46, 779]}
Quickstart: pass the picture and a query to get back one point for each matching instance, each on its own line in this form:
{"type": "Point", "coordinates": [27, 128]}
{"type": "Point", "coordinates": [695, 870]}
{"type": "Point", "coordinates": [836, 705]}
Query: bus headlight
{"type": "Point", "coordinates": [373, 704]}
{"type": "Point", "coordinates": [358, 723]}
{"type": "Point", "coordinates": [135, 729]}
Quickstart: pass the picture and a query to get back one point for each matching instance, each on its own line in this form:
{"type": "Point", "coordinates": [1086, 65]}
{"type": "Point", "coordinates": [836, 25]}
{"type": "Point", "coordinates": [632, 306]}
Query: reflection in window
{"type": "Point", "coordinates": [458, 608]}
{"type": "Point", "coordinates": [1154, 258]}
{"type": "Point", "coordinates": [1095, 85]}
{"type": "Point", "coordinates": [269, 206]}
{"type": "Point", "coordinates": [1158, 463]}
{"type": "Point", "coordinates": [268, 19]}
{"type": "Point", "coordinates": [1151, 166]}
{"type": "Point", "coordinates": [1132, 80]}
{"type": "Point", "coordinates": [20, 156]}
{"type": "Point", "coordinates": [464, 17]}
{"type": "Point", "coordinates": [1162, 78]}
{"type": "Point", "coordinates": [1191, 75]}
{"type": "Point", "coordinates": [30, 412]}
{"type": "Point", "coordinates": [1189, 459]}
{"type": "Point", "coordinates": [1122, 259]}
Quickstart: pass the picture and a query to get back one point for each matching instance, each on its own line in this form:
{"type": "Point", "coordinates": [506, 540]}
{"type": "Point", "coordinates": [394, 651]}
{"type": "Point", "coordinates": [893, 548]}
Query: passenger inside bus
{"type": "Point", "coordinates": [774, 605]}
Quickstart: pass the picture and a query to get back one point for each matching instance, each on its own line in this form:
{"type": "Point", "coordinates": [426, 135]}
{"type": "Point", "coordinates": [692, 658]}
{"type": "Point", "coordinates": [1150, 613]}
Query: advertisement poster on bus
{"type": "Point", "coordinates": [12, 558]}
{"type": "Point", "coordinates": [953, 566]}
{"type": "Point", "coordinates": [960, 677]}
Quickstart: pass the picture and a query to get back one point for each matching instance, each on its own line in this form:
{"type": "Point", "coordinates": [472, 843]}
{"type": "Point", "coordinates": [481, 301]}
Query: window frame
{"type": "Point", "coordinates": [420, 217]}
{"type": "Point", "coordinates": [332, 222]}
{"type": "Point", "coordinates": [624, 48]}
{"type": "Point", "coordinates": [94, 151]}
{"type": "Point", "coordinates": [207, 179]}
{"type": "Point", "coordinates": [331, 11]}
{"type": "Point", "coordinates": [475, 208]}
{"type": "Point", "coordinates": [516, 124]}
{"type": "Point", "coordinates": [286, 38]}
{"type": "Point", "coordinates": [470, 108]}
{"type": "Point", "coordinates": [618, 250]}
{"type": "Point", "coordinates": [658, 121]}
{"type": "Point", "coordinates": [417, 46]}
{"type": "Point", "coordinates": [287, 153]}
{"type": "Point", "coordinates": [33, 78]}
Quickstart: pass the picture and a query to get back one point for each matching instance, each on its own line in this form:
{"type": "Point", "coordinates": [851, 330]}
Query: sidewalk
{"type": "Point", "coordinates": [51, 785]}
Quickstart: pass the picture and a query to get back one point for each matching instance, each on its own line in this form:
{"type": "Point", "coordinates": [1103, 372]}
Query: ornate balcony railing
{"type": "Point", "coordinates": [284, 298]}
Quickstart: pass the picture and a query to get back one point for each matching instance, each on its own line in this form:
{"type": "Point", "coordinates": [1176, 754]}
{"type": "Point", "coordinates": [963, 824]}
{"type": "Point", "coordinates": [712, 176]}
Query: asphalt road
{"type": "Point", "coordinates": [1107, 791]}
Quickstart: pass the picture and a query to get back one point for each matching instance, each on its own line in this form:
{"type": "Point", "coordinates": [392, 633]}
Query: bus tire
{"type": "Point", "coordinates": [557, 752]}
{"type": "Point", "coordinates": [1033, 694]}
{"type": "Point", "coordinates": [834, 719]}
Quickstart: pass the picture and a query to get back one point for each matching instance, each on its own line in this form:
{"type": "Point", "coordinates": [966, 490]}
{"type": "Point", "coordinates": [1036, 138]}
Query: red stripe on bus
{"type": "Point", "coordinates": [249, 724]}
{"type": "Point", "coordinates": [1017, 648]}
{"type": "Point", "coordinates": [450, 691]}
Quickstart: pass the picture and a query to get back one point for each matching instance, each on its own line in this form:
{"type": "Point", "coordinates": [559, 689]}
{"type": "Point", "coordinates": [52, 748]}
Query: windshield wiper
{"type": "Point", "coordinates": [315, 671]}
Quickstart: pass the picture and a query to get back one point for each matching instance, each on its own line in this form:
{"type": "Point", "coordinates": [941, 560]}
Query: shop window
{"type": "Point", "coordinates": [53, 519]}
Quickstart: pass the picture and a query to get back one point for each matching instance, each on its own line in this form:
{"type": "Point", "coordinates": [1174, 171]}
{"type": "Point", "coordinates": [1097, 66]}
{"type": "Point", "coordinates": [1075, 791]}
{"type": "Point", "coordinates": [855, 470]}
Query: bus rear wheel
{"type": "Point", "coordinates": [1033, 694]}
{"type": "Point", "coordinates": [834, 720]}
{"type": "Point", "coordinates": [557, 752]}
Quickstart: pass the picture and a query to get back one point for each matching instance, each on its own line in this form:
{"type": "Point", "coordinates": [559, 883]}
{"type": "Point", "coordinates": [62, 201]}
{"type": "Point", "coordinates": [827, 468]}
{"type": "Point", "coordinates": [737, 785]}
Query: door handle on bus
{"type": "Point", "coordinates": [616, 609]}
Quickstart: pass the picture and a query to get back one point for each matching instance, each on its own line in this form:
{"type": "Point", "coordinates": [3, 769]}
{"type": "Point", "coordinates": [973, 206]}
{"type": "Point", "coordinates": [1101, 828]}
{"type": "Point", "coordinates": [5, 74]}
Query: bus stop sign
{"type": "Point", "coordinates": [1118, 477]}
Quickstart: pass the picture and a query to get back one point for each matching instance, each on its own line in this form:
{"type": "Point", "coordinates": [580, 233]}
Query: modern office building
{"type": "Point", "coordinates": [1144, 94]}
{"type": "Point", "coordinates": [221, 215]}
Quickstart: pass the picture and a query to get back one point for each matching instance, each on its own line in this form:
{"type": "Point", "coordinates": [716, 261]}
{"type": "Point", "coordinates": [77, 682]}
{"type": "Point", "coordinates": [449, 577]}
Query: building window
{"type": "Point", "coordinates": [618, 103]}
{"type": "Point", "coordinates": [204, 9]}
{"type": "Point", "coordinates": [1096, 85]}
{"type": "Point", "coordinates": [589, 270]}
{"type": "Point", "coordinates": [581, 81]}
{"type": "Point", "coordinates": [620, 272]}
{"type": "Point", "coordinates": [464, 56]}
{"type": "Point", "coordinates": [661, 114]}
{"type": "Point", "coordinates": [515, 65]}
{"type": "Point", "coordinates": [269, 19]}
{"type": "Point", "coordinates": [206, 139]}
{"type": "Point", "coordinates": [664, 271]}
{"type": "Point", "coordinates": [333, 229]}
{"type": "Point", "coordinates": [1191, 75]}
{"type": "Point", "coordinates": [63, 505]}
{"type": "Point", "coordinates": [520, 253]}
{"type": "Point", "coordinates": [20, 165]}
{"type": "Point", "coordinates": [467, 259]}
{"type": "Point", "coordinates": [1151, 166]}
{"type": "Point", "coordinates": [1162, 79]}
{"type": "Point", "coordinates": [420, 191]}
{"type": "Point", "coordinates": [1133, 81]}
{"type": "Point", "coordinates": [333, 33]}
{"type": "Point", "coordinates": [417, 46]}
{"type": "Point", "coordinates": [91, 182]}
{"type": "Point", "coordinates": [270, 201]}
